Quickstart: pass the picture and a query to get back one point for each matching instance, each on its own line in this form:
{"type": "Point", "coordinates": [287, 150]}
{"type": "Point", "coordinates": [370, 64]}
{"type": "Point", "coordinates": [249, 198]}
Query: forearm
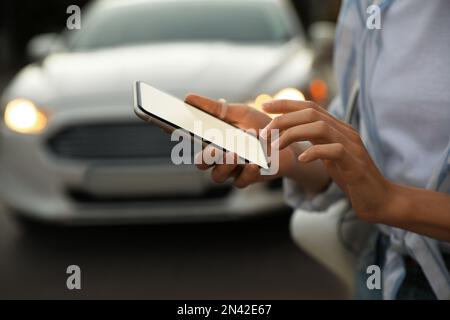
{"type": "Point", "coordinates": [418, 210]}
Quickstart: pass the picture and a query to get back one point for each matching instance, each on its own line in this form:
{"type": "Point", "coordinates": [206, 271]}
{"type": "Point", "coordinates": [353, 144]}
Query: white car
{"type": "Point", "coordinates": [72, 150]}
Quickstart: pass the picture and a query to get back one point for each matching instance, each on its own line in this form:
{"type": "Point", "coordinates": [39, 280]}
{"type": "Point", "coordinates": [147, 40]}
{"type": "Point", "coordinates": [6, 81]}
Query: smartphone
{"type": "Point", "coordinates": [170, 113]}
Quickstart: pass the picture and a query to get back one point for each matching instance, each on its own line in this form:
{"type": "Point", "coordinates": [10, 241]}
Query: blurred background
{"type": "Point", "coordinates": [83, 181]}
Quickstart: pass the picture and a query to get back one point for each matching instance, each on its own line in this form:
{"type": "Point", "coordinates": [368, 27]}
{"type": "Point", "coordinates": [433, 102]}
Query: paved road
{"type": "Point", "coordinates": [247, 259]}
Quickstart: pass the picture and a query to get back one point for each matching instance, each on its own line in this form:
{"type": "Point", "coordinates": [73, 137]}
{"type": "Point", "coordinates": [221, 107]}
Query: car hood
{"type": "Point", "coordinates": [234, 72]}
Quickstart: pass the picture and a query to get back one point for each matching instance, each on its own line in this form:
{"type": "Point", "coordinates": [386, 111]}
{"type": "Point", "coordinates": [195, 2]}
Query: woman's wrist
{"type": "Point", "coordinates": [395, 210]}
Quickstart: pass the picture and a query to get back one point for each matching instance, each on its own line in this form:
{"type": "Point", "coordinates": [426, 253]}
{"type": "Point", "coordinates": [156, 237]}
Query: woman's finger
{"type": "Point", "coordinates": [301, 112]}
{"type": "Point", "coordinates": [222, 172]}
{"type": "Point", "coordinates": [335, 152]}
{"type": "Point", "coordinates": [198, 160]}
{"type": "Point", "coordinates": [318, 132]}
{"type": "Point", "coordinates": [227, 112]}
{"type": "Point", "coordinates": [287, 106]}
{"type": "Point", "coordinates": [249, 174]}
{"type": "Point", "coordinates": [208, 157]}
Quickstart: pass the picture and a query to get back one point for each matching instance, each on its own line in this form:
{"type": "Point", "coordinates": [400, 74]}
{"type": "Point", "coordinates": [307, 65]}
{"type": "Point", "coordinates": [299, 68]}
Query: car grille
{"type": "Point", "coordinates": [112, 141]}
{"type": "Point", "coordinates": [86, 197]}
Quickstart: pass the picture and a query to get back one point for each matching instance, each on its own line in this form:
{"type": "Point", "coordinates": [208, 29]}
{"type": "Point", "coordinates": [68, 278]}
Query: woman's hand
{"type": "Point", "coordinates": [244, 117]}
{"type": "Point", "coordinates": [338, 146]}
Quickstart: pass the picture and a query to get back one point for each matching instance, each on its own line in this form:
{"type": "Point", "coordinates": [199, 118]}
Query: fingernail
{"type": "Point", "coordinates": [303, 156]}
{"type": "Point", "coordinates": [266, 105]}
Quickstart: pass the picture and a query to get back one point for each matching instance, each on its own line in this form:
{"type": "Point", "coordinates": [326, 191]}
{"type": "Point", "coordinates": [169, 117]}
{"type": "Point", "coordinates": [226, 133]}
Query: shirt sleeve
{"type": "Point", "coordinates": [336, 108]}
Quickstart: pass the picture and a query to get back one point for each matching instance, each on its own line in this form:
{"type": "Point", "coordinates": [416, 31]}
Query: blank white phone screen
{"type": "Point", "coordinates": [202, 124]}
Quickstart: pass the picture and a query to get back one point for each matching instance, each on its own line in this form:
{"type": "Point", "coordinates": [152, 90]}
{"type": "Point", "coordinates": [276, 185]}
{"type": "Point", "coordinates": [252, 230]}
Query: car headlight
{"type": "Point", "coordinates": [23, 116]}
{"type": "Point", "coordinates": [287, 94]}
{"type": "Point", "coordinates": [318, 90]}
{"type": "Point", "coordinates": [290, 94]}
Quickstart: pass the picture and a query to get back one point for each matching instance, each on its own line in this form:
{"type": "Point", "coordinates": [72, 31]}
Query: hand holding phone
{"type": "Point", "coordinates": [170, 113]}
{"type": "Point", "coordinates": [237, 115]}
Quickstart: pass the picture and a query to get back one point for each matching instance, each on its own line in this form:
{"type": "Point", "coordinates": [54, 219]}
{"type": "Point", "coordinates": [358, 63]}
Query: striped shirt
{"type": "Point", "coordinates": [403, 74]}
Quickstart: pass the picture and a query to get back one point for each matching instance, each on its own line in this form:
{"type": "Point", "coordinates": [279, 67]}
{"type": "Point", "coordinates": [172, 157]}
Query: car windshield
{"type": "Point", "coordinates": [152, 22]}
